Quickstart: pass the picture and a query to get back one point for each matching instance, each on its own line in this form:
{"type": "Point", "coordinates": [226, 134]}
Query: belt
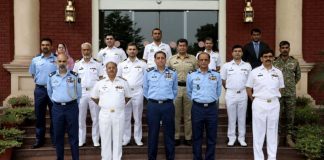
{"type": "Point", "coordinates": [267, 100]}
{"type": "Point", "coordinates": [41, 86]}
{"type": "Point", "coordinates": [205, 104]}
{"type": "Point", "coordinates": [183, 84]}
{"type": "Point", "coordinates": [65, 103]}
{"type": "Point", "coordinates": [160, 101]}
{"type": "Point", "coordinates": [235, 91]}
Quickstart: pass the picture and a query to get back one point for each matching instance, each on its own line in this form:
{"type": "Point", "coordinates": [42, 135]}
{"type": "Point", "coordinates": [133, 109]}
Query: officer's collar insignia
{"type": "Point", "coordinates": [74, 73]}
{"type": "Point", "coordinates": [119, 87]}
{"type": "Point", "coordinates": [171, 69]}
{"type": "Point", "coordinates": [81, 68]}
{"type": "Point", "coordinates": [150, 69]}
{"type": "Point", "coordinates": [52, 74]}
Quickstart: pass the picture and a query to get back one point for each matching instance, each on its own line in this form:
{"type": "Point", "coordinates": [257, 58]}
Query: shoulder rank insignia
{"type": "Point", "coordinates": [122, 78]}
{"type": "Point", "coordinates": [74, 73]}
{"type": "Point", "coordinates": [150, 69]}
{"type": "Point", "coordinates": [172, 69]}
{"type": "Point", "coordinates": [52, 74]}
{"type": "Point", "coordinates": [214, 70]}
{"type": "Point", "coordinates": [194, 70]}
{"type": "Point", "coordinates": [77, 61]}
{"type": "Point", "coordinates": [95, 59]}
{"type": "Point", "coordinates": [292, 57]}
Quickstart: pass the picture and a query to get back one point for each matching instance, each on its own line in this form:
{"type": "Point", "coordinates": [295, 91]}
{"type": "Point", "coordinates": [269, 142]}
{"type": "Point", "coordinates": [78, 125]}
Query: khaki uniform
{"type": "Point", "coordinates": [182, 102]}
{"type": "Point", "coordinates": [291, 72]}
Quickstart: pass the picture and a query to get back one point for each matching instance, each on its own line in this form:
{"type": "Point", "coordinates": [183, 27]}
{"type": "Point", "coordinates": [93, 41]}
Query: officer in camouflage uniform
{"type": "Point", "coordinates": [291, 72]}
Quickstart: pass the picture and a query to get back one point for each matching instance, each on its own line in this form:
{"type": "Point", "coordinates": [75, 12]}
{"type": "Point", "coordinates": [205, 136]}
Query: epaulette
{"type": "Point", "coordinates": [214, 70]}
{"type": "Point", "coordinates": [77, 61]}
{"type": "Point", "coordinates": [172, 69]}
{"type": "Point", "coordinates": [52, 74]}
{"type": "Point", "coordinates": [74, 73]}
{"type": "Point", "coordinates": [194, 70]}
{"type": "Point", "coordinates": [95, 59]}
{"type": "Point", "coordinates": [150, 69]}
{"type": "Point", "coordinates": [122, 78]}
{"type": "Point", "coordinates": [292, 57]}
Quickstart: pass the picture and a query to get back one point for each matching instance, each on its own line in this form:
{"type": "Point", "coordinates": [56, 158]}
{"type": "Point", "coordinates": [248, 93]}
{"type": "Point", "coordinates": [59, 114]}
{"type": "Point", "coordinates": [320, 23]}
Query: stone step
{"type": "Point", "coordinates": [137, 153]}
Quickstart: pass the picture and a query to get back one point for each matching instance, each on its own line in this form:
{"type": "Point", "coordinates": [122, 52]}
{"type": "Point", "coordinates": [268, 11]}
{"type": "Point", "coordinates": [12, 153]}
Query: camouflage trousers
{"type": "Point", "coordinates": [287, 114]}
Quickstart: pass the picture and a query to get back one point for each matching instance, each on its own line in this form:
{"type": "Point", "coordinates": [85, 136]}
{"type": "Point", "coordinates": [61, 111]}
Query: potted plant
{"type": "Point", "coordinates": [6, 148]}
{"type": "Point", "coordinates": [20, 101]}
{"type": "Point", "coordinates": [11, 134]}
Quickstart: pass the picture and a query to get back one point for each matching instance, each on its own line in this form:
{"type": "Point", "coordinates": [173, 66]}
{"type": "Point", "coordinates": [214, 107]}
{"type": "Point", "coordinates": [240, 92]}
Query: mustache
{"type": "Point", "coordinates": [62, 66]}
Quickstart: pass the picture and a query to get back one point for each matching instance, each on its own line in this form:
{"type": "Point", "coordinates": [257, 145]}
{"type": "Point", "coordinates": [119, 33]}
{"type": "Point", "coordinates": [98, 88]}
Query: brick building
{"type": "Point", "coordinates": [24, 22]}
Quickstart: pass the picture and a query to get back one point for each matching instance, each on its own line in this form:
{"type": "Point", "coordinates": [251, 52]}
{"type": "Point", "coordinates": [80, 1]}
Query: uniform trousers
{"type": "Point", "coordinates": [183, 107]}
{"type": "Point", "coordinates": [86, 102]}
{"type": "Point", "coordinates": [155, 113]}
{"type": "Point", "coordinates": [65, 118]}
{"type": "Point", "coordinates": [204, 117]}
{"type": "Point", "coordinates": [41, 101]}
{"type": "Point", "coordinates": [135, 108]}
{"type": "Point", "coordinates": [111, 126]}
{"type": "Point", "coordinates": [236, 103]}
{"type": "Point", "coordinates": [265, 117]}
{"type": "Point", "coordinates": [287, 109]}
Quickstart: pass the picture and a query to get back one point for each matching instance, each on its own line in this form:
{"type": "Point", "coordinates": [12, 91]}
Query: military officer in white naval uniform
{"type": "Point", "coordinates": [111, 94]}
{"type": "Point", "coordinates": [132, 69]}
{"type": "Point", "coordinates": [234, 75]}
{"type": "Point", "coordinates": [156, 45]}
{"type": "Point", "coordinates": [90, 71]}
{"type": "Point", "coordinates": [266, 82]}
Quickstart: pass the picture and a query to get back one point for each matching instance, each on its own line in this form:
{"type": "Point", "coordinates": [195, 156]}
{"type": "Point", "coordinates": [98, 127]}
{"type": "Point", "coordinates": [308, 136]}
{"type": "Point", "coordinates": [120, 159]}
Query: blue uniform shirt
{"type": "Point", "coordinates": [160, 86]}
{"type": "Point", "coordinates": [204, 88]}
{"type": "Point", "coordinates": [41, 67]}
{"type": "Point", "coordinates": [64, 89]}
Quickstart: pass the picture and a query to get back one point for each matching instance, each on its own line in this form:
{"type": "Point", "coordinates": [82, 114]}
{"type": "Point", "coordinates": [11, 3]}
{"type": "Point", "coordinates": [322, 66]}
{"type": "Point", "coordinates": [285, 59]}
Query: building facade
{"type": "Point", "coordinates": [24, 22]}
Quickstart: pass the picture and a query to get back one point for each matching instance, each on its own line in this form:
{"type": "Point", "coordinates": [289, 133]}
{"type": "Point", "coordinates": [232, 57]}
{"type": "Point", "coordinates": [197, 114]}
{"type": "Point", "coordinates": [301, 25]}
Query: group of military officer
{"type": "Point", "coordinates": [113, 87]}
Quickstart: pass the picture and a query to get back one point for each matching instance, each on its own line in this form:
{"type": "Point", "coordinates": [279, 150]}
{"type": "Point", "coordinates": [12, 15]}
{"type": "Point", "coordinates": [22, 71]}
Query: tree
{"type": "Point", "coordinates": [208, 30]}
{"type": "Point", "coordinates": [123, 28]}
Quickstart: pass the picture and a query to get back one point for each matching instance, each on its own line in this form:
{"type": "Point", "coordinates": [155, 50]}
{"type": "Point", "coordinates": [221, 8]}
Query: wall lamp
{"type": "Point", "coordinates": [70, 12]}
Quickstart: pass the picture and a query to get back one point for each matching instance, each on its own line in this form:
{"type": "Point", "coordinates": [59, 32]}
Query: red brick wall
{"type": "Point", "coordinates": [52, 24]}
{"type": "Point", "coordinates": [6, 45]}
{"type": "Point", "coordinates": [238, 32]}
{"type": "Point", "coordinates": [313, 48]}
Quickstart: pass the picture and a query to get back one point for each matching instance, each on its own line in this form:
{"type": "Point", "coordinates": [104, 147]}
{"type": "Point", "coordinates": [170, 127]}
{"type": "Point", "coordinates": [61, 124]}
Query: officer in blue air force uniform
{"type": "Point", "coordinates": [40, 67]}
{"type": "Point", "coordinates": [160, 88]}
{"type": "Point", "coordinates": [64, 89]}
{"type": "Point", "coordinates": [203, 88]}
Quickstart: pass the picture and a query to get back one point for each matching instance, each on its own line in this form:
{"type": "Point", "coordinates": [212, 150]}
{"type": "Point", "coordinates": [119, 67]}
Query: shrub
{"type": "Point", "coordinates": [20, 101]}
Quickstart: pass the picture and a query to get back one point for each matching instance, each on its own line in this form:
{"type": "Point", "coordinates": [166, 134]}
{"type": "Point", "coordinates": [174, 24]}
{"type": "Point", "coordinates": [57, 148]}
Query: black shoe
{"type": "Point", "coordinates": [177, 142]}
{"type": "Point", "coordinates": [188, 142]}
{"type": "Point", "coordinates": [37, 145]}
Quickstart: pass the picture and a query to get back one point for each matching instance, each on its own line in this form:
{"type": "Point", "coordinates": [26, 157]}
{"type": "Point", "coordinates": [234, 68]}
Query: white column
{"type": "Point", "coordinates": [27, 44]}
{"type": "Point", "coordinates": [95, 27]}
{"type": "Point", "coordinates": [26, 22]}
{"type": "Point", "coordinates": [222, 39]}
{"type": "Point", "coordinates": [289, 23]}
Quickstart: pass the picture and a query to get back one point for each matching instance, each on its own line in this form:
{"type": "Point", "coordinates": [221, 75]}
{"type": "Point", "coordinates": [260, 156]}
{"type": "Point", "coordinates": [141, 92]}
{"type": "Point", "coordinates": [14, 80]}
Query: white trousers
{"type": "Point", "coordinates": [111, 131]}
{"type": "Point", "coordinates": [86, 102]}
{"type": "Point", "coordinates": [135, 108]}
{"type": "Point", "coordinates": [265, 117]}
{"type": "Point", "coordinates": [236, 104]}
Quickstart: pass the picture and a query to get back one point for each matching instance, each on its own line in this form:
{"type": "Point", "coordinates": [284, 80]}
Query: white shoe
{"type": "Point", "coordinates": [96, 144]}
{"type": "Point", "coordinates": [125, 143]}
{"type": "Point", "coordinates": [231, 143]}
{"type": "Point", "coordinates": [81, 144]}
{"type": "Point", "coordinates": [243, 143]}
{"type": "Point", "coordinates": [139, 143]}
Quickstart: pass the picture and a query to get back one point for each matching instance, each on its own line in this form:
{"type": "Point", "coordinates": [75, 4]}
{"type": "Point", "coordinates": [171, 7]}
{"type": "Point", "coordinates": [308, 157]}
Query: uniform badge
{"type": "Point", "coordinates": [168, 75]}
{"type": "Point", "coordinates": [112, 110]}
{"type": "Point", "coordinates": [212, 77]}
{"type": "Point", "coordinates": [81, 68]}
{"type": "Point", "coordinates": [79, 80]}
{"type": "Point", "coordinates": [198, 87]}
{"type": "Point", "coordinates": [260, 75]}
{"type": "Point", "coordinates": [70, 80]}
{"type": "Point", "coordinates": [93, 69]}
